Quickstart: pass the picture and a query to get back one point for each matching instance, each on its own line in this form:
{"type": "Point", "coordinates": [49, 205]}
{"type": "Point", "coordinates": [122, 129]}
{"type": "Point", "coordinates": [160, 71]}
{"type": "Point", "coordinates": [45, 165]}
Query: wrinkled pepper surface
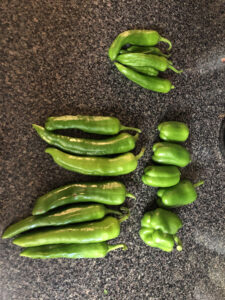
{"type": "Point", "coordinates": [173, 131]}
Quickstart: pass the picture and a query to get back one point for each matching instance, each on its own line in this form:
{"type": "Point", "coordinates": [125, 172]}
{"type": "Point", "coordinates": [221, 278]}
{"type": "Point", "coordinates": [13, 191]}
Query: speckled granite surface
{"type": "Point", "coordinates": [54, 62]}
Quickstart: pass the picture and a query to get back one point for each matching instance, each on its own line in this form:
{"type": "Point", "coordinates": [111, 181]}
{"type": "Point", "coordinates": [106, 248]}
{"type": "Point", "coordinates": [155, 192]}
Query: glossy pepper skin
{"type": "Point", "coordinates": [90, 124]}
{"type": "Point", "coordinates": [144, 49]}
{"type": "Point", "coordinates": [108, 192]}
{"type": "Point", "coordinates": [173, 131]}
{"type": "Point", "coordinates": [181, 194]}
{"type": "Point", "coordinates": [171, 154]}
{"type": "Point", "coordinates": [121, 143]}
{"type": "Point", "coordinates": [135, 37]}
{"type": "Point", "coordinates": [75, 251]}
{"type": "Point", "coordinates": [146, 70]}
{"type": "Point", "coordinates": [158, 229]}
{"type": "Point", "coordinates": [161, 176]}
{"type": "Point", "coordinates": [74, 214]}
{"type": "Point", "coordinates": [159, 63]}
{"type": "Point", "coordinates": [152, 83]}
{"type": "Point", "coordinates": [84, 233]}
{"type": "Point", "coordinates": [91, 165]}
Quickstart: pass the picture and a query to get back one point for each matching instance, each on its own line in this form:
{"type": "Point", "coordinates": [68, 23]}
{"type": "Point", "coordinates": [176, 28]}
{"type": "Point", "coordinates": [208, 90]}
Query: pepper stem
{"type": "Point", "coordinates": [178, 242]}
{"type": "Point", "coordinates": [114, 247]}
{"type": "Point", "coordinates": [126, 216]}
{"type": "Point", "coordinates": [129, 128]}
{"type": "Point", "coordinates": [141, 153]}
{"type": "Point", "coordinates": [201, 182]}
{"type": "Point", "coordinates": [130, 195]}
{"type": "Point", "coordinates": [162, 39]}
{"type": "Point", "coordinates": [136, 137]}
{"type": "Point", "coordinates": [172, 87]}
{"type": "Point", "coordinates": [174, 69]}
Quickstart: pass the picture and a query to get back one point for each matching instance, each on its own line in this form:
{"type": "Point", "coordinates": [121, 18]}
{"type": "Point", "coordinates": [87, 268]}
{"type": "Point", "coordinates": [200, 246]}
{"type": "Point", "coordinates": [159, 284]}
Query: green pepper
{"type": "Point", "coordinates": [173, 131]}
{"type": "Point", "coordinates": [161, 176]}
{"type": "Point", "coordinates": [135, 37]}
{"type": "Point", "coordinates": [110, 193]}
{"type": "Point", "coordinates": [90, 124]}
{"type": "Point", "coordinates": [146, 70]}
{"type": "Point", "coordinates": [75, 214]}
{"type": "Point", "coordinates": [84, 233]}
{"type": "Point", "coordinates": [159, 228]}
{"type": "Point", "coordinates": [144, 49]}
{"type": "Point", "coordinates": [181, 194]}
{"type": "Point", "coordinates": [152, 83]}
{"type": "Point", "coordinates": [121, 143]}
{"type": "Point", "coordinates": [76, 251]}
{"type": "Point", "coordinates": [91, 165]}
{"type": "Point", "coordinates": [146, 60]}
{"type": "Point", "coordinates": [171, 154]}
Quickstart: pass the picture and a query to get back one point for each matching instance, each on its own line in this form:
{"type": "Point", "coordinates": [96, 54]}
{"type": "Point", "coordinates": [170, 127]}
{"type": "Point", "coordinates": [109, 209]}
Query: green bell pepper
{"type": "Point", "coordinates": [171, 154]}
{"type": "Point", "coordinates": [181, 194]}
{"type": "Point", "coordinates": [161, 176]}
{"type": "Point", "coordinates": [173, 131]}
{"type": "Point", "coordinates": [159, 228]}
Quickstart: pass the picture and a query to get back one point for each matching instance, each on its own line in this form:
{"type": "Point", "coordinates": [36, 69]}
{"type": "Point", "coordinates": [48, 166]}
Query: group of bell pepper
{"type": "Point", "coordinates": [159, 227]}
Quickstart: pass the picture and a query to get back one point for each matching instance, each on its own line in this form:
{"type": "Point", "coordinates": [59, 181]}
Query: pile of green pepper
{"type": "Point", "coordinates": [136, 57]}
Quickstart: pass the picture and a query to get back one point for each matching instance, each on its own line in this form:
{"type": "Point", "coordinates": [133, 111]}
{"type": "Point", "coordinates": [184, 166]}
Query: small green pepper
{"type": "Point", "coordinates": [75, 251]}
{"type": "Point", "coordinates": [109, 192]}
{"type": "Point", "coordinates": [91, 165]}
{"type": "Point", "coordinates": [161, 176]}
{"type": "Point", "coordinates": [84, 233]}
{"type": "Point", "coordinates": [135, 37]}
{"type": "Point", "coordinates": [171, 154]}
{"type": "Point", "coordinates": [159, 228]}
{"type": "Point", "coordinates": [173, 131]}
{"type": "Point", "coordinates": [179, 195]}
{"type": "Point", "coordinates": [144, 49]}
{"type": "Point", "coordinates": [90, 124]}
{"type": "Point", "coordinates": [152, 83]}
{"type": "Point", "coordinates": [121, 143]}
{"type": "Point", "coordinates": [75, 214]}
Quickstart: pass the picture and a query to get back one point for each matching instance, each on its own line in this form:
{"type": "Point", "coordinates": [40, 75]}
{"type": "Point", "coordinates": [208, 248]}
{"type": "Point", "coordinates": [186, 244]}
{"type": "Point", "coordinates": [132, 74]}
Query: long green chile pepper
{"type": "Point", "coordinates": [90, 124]}
{"type": "Point", "coordinates": [84, 233]}
{"type": "Point", "coordinates": [110, 193]}
{"type": "Point", "coordinates": [91, 165]}
{"type": "Point", "coordinates": [121, 143]}
{"type": "Point", "coordinates": [146, 70]}
{"type": "Point", "coordinates": [75, 214]}
{"type": "Point", "coordinates": [144, 49]}
{"type": "Point", "coordinates": [146, 60]}
{"type": "Point", "coordinates": [74, 251]}
{"type": "Point", "coordinates": [152, 83]}
{"type": "Point", "coordinates": [136, 37]}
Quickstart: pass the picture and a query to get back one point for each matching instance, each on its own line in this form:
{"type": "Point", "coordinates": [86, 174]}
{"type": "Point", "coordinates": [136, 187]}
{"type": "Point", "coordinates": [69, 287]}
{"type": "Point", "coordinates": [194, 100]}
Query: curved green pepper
{"type": "Point", "coordinates": [161, 176]}
{"type": "Point", "coordinates": [110, 193]}
{"type": "Point", "coordinates": [173, 131]}
{"type": "Point", "coordinates": [98, 231]}
{"type": "Point", "coordinates": [135, 37]}
{"type": "Point", "coordinates": [146, 70]}
{"type": "Point", "coordinates": [171, 154]}
{"type": "Point", "coordinates": [75, 214]}
{"type": "Point", "coordinates": [144, 49]}
{"type": "Point", "coordinates": [159, 228]}
{"type": "Point", "coordinates": [179, 195]}
{"type": "Point", "coordinates": [91, 165]}
{"type": "Point", "coordinates": [76, 251]}
{"type": "Point", "coordinates": [90, 124]}
{"type": "Point", "coordinates": [121, 143]}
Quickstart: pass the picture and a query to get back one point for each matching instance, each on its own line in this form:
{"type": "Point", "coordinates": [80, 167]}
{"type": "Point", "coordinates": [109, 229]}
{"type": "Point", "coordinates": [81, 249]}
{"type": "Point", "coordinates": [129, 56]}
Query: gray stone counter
{"type": "Point", "coordinates": [54, 62]}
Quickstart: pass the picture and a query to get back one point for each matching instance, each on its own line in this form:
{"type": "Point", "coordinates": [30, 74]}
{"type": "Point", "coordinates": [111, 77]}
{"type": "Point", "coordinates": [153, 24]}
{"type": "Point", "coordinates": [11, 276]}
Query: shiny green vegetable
{"type": "Point", "coordinates": [75, 251]}
{"type": "Point", "coordinates": [152, 83]}
{"type": "Point", "coordinates": [146, 70]}
{"type": "Point", "coordinates": [121, 143]}
{"type": "Point", "coordinates": [173, 131]}
{"type": "Point", "coordinates": [75, 214]}
{"type": "Point", "coordinates": [159, 228]}
{"type": "Point", "coordinates": [171, 154]}
{"type": "Point", "coordinates": [144, 49]}
{"type": "Point", "coordinates": [84, 233]}
{"type": "Point", "coordinates": [135, 37]}
{"type": "Point", "coordinates": [146, 60]}
{"type": "Point", "coordinates": [102, 166]}
{"type": "Point", "coordinates": [90, 124]}
{"type": "Point", "coordinates": [179, 195]}
{"type": "Point", "coordinates": [110, 193]}
{"type": "Point", "coordinates": [161, 176]}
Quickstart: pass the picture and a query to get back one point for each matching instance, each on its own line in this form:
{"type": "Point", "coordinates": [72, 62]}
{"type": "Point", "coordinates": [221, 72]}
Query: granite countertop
{"type": "Point", "coordinates": [54, 62]}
